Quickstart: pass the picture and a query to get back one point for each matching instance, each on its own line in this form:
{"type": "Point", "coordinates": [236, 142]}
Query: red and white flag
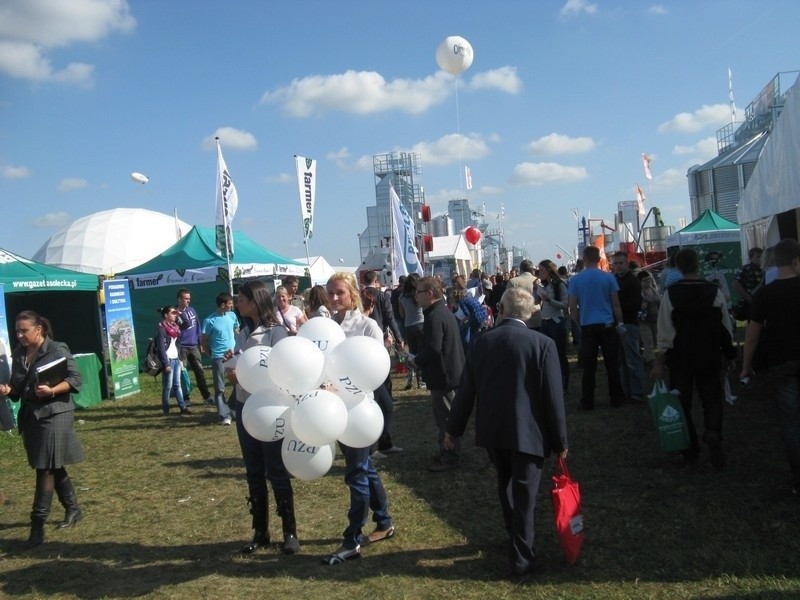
{"type": "Point", "coordinates": [640, 198]}
{"type": "Point", "coordinates": [646, 162]}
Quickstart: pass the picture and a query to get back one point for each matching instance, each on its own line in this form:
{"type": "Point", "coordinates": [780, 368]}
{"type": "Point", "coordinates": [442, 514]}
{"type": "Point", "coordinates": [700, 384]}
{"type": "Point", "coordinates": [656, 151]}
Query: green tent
{"type": "Point", "coordinates": [194, 262]}
{"type": "Point", "coordinates": [23, 275]}
{"type": "Point", "coordinates": [712, 233]}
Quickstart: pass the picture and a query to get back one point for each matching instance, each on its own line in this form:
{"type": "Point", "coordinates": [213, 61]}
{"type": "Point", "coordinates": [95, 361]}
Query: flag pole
{"type": "Point", "coordinates": [225, 224]}
{"type": "Point", "coordinates": [391, 237]}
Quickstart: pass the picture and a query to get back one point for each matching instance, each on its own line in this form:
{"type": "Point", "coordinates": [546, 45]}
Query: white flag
{"type": "Point", "coordinates": [640, 198]}
{"type": "Point", "coordinates": [404, 250]}
{"type": "Point", "coordinates": [227, 203]}
{"type": "Point", "coordinates": [307, 185]}
{"type": "Point", "coordinates": [646, 162]}
{"type": "Point", "coordinates": [468, 177]}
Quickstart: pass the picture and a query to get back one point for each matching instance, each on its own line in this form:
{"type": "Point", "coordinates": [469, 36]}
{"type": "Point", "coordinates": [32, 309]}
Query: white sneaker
{"type": "Point", "coordinates": [226, 421]}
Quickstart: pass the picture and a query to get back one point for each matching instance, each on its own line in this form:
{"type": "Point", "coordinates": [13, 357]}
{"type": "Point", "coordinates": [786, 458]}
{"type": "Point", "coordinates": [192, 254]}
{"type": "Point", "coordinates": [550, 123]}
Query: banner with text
{"type": "Point", "coordinates": [121, 338]}
{"type": "Point", "coordinates": [307, 185]}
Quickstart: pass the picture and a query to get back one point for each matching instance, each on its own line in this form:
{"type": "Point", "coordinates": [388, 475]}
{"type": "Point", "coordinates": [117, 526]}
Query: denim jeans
{"type": "Point", "coordinates": [605, 338]}
{"type": "Point", "coordinates": [262, 463]}
{"type": "Point", "coordinates": [786, 378]}
{"type": "Point", "coordinates": [366, 492]}
{"type": "Point", "coordinates": [558, 333]}
{"type": "Point", "coordinates": [171, 381]}
{"type": "Point", "coordinates": [631, 367]}
{"type": "Point", "coordinates": [218, 374]}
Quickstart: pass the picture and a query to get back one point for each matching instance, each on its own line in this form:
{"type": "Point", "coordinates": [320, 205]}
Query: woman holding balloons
{"type": "Point", "coordinates": [262, 460]}
{"type": "Point", "coordinates": [366, 488]}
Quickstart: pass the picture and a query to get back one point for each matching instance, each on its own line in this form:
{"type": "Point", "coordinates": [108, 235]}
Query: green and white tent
{"type": "Point", "coordinates": [19, 274]}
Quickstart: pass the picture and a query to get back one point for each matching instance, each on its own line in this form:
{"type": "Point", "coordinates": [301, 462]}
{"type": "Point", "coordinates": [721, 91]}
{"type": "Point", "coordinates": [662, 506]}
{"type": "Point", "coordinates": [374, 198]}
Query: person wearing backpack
{"type": "Point", "coordinates": [166, 342]}
{"type": "Point", "coordinates": [695, 343]}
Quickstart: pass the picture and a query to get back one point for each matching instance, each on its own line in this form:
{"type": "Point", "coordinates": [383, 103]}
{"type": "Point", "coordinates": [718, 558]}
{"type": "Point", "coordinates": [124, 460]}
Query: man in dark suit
{"type": "Point", "coordinates": [514, 377]}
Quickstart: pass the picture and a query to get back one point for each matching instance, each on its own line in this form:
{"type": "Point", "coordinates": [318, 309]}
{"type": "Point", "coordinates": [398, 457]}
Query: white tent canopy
{"type": "Point", "coordinates": [320, 269]}
{"type": "Point", "coordinates": [774, 187]}
{"type": "Point", "coordinates": [111, 241]}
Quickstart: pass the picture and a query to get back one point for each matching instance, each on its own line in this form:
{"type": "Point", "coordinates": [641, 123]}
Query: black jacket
{"type": "Point", "coordinates": [441, 354]}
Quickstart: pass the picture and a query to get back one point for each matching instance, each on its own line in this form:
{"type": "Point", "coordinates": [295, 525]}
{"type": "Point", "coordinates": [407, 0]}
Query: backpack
{"type": "Point", "coordinates": [151, 363]}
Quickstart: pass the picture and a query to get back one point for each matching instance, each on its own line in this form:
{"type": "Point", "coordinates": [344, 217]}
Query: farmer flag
{"type": "Point", "coordinates": [227, 203]}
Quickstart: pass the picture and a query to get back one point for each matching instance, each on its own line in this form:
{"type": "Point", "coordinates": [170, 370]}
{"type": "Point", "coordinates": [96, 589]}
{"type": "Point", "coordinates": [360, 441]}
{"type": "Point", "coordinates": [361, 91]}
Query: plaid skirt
{"type": "Point", "coordinates": [50, 442]}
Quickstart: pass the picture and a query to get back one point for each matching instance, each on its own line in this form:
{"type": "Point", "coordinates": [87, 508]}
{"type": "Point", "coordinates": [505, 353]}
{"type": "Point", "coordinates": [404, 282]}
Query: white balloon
{"type": "Point", "coordinates": [358, 365]}
{"type": "Point", "coordinates": [324, 332]}
{"type": "Point", "coordinates": [296, 364]}
{"type": "Point", "coordinates": [364, 425]}
{"type": "Point", "coordinates": [306, 462]}
{"type": "Point", "coordinates": [454, 54]}
{"type": "Point", "coordinates": [139, 178]}
{"type": "Point", "coordinates": [350, 400]}
{"type": "Point", "coordinates": [266, 415]}
{"type": "Point", "coordinates": [319, 417]}
{"type": "Point", "coordinates": [252, 369]}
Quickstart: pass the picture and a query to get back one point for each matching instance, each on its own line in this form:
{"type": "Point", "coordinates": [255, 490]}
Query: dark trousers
{"type": "Point", "coordinates": [605, 338]}
{"type": "Point", "coordinates": [518, 478]}
{"type": "Point", "coordinates": [262, 463]}
{"type": "Point", "coordinates": [558, 333]}
{"type": "Point", "coordinates": [708, 383]}
{"type": "Point", "coordinates": [191, 359]}
{"type": "Point", "coordinates": [383, 397]}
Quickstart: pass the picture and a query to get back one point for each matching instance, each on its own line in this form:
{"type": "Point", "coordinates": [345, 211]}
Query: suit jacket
{"type": "Point", "coordinates": [513, 379]}
{"type": "Point", "coordinates": [441, 354]}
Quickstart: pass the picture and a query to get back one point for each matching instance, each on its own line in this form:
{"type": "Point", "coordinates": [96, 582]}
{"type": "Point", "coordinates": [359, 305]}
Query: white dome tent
{"type": "Point", "coordinates": [111, 241]}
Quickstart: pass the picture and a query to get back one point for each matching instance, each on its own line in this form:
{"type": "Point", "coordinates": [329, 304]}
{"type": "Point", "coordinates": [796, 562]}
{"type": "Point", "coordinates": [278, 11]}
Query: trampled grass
{"type": "Point", "coordinates": [165, 515]}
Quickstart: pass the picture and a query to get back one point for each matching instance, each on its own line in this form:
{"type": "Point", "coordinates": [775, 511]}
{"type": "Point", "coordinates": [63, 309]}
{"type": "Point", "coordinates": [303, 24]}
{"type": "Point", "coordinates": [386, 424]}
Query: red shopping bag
{"type": "Point", "coordinates": [566, 497]}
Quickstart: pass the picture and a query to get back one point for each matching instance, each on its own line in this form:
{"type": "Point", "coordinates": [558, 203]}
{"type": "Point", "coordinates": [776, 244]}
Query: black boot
{"type": "Point", "coordinates": [39, 513]}
{"type": "Point", "coordinates": [69, 500]}
{"type": "Point", "coordinates": [291, 545]}
{"type": "Point", "coordinates": [258, 508]}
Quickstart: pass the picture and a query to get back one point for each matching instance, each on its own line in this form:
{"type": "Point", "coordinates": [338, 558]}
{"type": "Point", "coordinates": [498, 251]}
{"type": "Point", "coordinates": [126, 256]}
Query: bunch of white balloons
{"type": "Point", "coordinates": [311, 390]}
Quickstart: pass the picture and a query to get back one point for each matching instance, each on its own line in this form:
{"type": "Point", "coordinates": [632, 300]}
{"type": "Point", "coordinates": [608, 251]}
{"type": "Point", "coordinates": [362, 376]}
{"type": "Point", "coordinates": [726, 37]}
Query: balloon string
{"type": "Point", "coordinates": [458, 132]}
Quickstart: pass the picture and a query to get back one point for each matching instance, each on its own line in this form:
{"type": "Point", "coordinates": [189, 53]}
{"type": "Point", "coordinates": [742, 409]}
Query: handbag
{"type": "Point", "coordinates": [566, 496]}
{"type": "Point", "coordinates": [668, 417]}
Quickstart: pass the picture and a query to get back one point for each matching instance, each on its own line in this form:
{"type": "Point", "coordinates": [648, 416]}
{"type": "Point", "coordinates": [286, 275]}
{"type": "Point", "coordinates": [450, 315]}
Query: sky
{"type": "Point", "coordinates": [560, 102]}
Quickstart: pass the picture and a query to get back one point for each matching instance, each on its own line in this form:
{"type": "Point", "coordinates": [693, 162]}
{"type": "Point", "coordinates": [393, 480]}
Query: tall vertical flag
{"type": "Point", "coordinates": [730, 96]}
{"type": "Point", "coordinates": [640, 198]}
{"type": "Point", "coordinates": [468, 177]}
{"type": "Point", "coordinates": [307, 186]}
{"type": "Point", "coordinates": [227, 203]}
{"type": "Point", "coordinates": [404, 250]}
{"type": "Point", "coordinates": [646, 162]}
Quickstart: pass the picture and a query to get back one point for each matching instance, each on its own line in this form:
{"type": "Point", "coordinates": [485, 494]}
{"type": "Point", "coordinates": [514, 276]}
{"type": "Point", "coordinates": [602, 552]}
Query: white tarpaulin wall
{"type": "Point", "coordinates": [774, 187]}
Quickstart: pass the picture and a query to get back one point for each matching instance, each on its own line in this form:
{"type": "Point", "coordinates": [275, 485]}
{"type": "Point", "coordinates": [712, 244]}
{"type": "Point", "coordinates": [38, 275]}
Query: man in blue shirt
{"type": "Point", "coordinates": [219, 336]}
{"type": "Point", "coordinates": [594, 305]}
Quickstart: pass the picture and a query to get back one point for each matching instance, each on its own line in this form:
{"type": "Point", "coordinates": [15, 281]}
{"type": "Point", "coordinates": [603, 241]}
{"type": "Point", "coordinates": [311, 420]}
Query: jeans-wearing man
{"type": "Point", "coordinates": [219, 336]}
{"type": "Point", "coordinates": [631, 365]}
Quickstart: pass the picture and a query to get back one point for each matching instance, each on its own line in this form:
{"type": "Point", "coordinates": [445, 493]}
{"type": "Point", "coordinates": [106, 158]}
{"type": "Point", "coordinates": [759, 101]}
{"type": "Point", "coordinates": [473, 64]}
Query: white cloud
{"type": "Point", "coordinates": [504, 79]}
{"type": "Point", "coordinates": [575, 7]}
{"type": "Point", "coordinates": [232, 138]}
{"type": "Point", "coordinates": [703, 150]}
{"type": "Point", "coordinates": [657, 9]}
{"type": "Point", "coordinates": [14, 172]}
{"type": "Point", "coordinates": [542, 173]}
{"type": "Point", "coordinates": [280, 178]}
{"type": "Point", "coordinates": [714, 115]}
{"type": "Point", "coordinates": [342, 159]}
{"type": "Point", "coordinates": [556, 143]}
{"type": "Point", "coordinates": [54, 219]}
{"type": "Point", "coordinates": [450, 149]}
{"type": "Point", "coordinates": [671, 178]}
{"type": "Point", "coordinates": [72, 183]}
{"type": "Point", "coordinates": [30, 29]}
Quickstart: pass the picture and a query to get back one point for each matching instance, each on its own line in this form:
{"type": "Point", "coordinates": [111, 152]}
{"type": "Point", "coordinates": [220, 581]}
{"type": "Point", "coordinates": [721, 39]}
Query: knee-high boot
{"type": "Point", "coordinates": [258, 508]}
{"type": "Point", "coordinates": [285, 501]}
{"type": "Point", "coordinates": [69, 500]}
{"type": "Point", "coordinates": [39, 513]}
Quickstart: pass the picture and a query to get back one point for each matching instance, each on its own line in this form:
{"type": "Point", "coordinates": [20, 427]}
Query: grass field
{"type": "Point", "coordinates": [165, 515]}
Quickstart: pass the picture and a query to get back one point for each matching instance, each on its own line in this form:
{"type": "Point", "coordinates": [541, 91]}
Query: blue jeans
{"type": "Point", "coordinates": [172, 381]}
{"type": "Point", "coordinates": [366, 492]}
{"type": "Point", "coordinates": [631, 366]}
{"type": "Point", "coordinates": [558, 333]}
{"type": "Point", "coordinates": [262, 463]}
{"type": "Point", "coordinates": [786, 378]}
{"type": "Point", "coordinates": [218, 374]}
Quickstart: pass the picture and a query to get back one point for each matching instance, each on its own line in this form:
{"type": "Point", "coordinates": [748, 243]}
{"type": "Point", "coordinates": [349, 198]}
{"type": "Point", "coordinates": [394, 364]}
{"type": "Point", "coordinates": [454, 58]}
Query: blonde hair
{"type": "Point", "coordinates": [352, 287]}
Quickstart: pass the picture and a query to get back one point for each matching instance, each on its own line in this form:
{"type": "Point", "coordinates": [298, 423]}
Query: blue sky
{"type": "Point", "coordinates": [560, 102]}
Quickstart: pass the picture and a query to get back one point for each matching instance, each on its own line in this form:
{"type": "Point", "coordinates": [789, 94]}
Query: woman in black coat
{"type": "Point", "coordinates": [46, 419]}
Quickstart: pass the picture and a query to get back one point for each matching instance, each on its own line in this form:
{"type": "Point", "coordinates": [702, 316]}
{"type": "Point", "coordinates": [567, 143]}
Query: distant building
{"type": "Point", "coordinates": [719, 183]}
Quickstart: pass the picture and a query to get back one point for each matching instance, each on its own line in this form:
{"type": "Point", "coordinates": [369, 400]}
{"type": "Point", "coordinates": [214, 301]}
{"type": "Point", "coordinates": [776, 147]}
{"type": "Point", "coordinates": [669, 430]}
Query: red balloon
{"type": "Point", "coordinates": [472, 235]}
{"type": "Point", "coordinates": [558, 255]}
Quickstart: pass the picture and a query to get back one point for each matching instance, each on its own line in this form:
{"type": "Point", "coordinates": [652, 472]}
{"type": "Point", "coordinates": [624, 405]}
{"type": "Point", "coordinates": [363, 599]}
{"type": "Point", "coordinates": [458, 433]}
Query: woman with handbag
{"type": "Point", "coordinates": [46, 419]}
{"type": "Point", "coordinates": [262, 460]}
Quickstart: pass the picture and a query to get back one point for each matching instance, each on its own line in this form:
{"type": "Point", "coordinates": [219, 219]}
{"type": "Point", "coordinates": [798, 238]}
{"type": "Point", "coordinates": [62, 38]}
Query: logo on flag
{"type": "Point", "coordinates": [404, 251]}
{"type": "Point", "coordinates": [307, 186]}
{"type": "Point", "coordinates": [227, 203]}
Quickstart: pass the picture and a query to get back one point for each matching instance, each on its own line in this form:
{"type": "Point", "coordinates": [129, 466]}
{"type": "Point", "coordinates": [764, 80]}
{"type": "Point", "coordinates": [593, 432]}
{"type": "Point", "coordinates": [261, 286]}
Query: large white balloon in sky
{"type": "Point", "coordinates": [139, 178]}
{"type": "Point", "coordinates": [454, 54]}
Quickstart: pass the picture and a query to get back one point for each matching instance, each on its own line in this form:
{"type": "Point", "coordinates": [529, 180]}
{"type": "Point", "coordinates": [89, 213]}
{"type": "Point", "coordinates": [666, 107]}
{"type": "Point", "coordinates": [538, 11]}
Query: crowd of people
{"type": "Point", "coordinates": [495, 345]}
